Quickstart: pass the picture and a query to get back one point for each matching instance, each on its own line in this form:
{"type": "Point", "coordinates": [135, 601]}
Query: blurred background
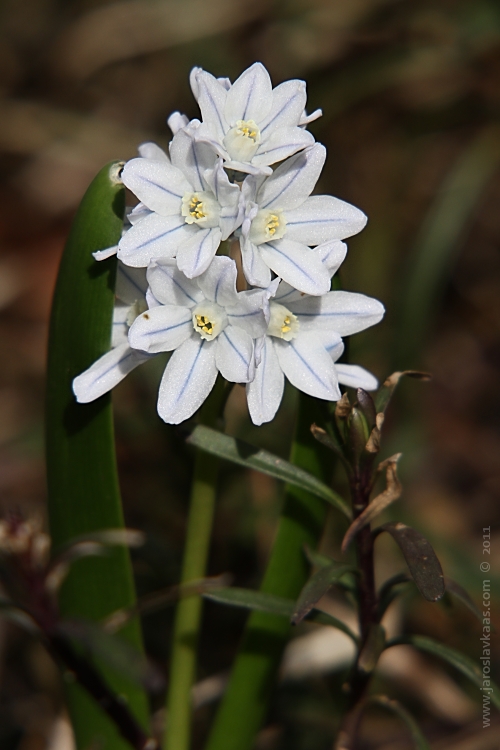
{"type": "Point", "coordinates": [410, 93]}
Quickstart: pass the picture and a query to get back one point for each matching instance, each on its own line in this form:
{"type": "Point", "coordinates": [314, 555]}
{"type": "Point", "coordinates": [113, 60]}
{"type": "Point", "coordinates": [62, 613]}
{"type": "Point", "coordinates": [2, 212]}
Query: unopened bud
{"type": "Point", "coordinates": [367, 407]}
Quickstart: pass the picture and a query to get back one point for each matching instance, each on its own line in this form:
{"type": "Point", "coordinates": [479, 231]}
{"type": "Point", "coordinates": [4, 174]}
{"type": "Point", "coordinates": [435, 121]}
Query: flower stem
{"type": "Point", "coordinates": [188, 613]}
{"type": "Point", "coordinates": [244, 706]}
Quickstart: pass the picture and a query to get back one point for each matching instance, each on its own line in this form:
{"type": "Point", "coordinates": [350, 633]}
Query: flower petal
{"type": "Point", "coordinates": [137, 213]}
{"type": "Point", "coordinates": [293, 181]}
{"type": "Point", "coordinates": [195, 255]}
{"type": "Point", "coordinates": [176, 121]}
{"type": "Point", "coordinates": [152, 151]}
{"type": "Point", "coordinates": [344, 312]}
{"type": "Point", "coordinates": [356, 377]}
{"type": "Point", "coordinates": [106, 253]}
{"type": "Point", "coordinates": [250, 96]}
{"type": "Point", "coordinates": [106, 372]}
{"type": "Point", "coordinates": [192, 158]}
{"type": "Point", "coordinates": [281, 144]}
{"type": "Point", "coordinates": [297, 264]}
{"type": "Point", "coordinates": [255, 269]}
{"type": "Point", "coordinates": [161, 329]}
{"type": "Point", "coordinates": [289, 100]}
{"type": "Point", "coordinates": [308, 366]}
{"type": "Point", "coordinates": [306, 119]}
{"type": "Point", "coordinates": [265, 392]}
{"type": "Point", "coordinates": [286, 294]}
{"type": "Point", "coordinates": [332, 254]}
{"type": "Point", "coordinates": [235, 355]}
{"type": "Point", "coordinates": [170, 286]}
{"type": "Point", "coordinates": [332, 343]}
{"type": "Point", "coordinates": [218, 283]}
{"type": "Point", "coordinates": [250, 312]}
{"type": "Point", "coordinates": [158, 184]}
{"type": "Point", "coordinates": [188, 379]}
{"type": "Point", "coordinates": [322, 218]}
{"type": "Point", "coordinates": [131, 283]}
{"type": "Point", "coordinates": [211, 100]}
{"type": "Point", "coordinates": [153, 237]}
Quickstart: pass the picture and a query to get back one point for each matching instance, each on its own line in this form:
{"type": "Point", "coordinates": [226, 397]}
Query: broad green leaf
{"type": "Point", "coordinates": [83, 490]}
{"type": "Point", "coordinates": [244, 454]}
{"type": "Point", "coordinates": [420, 557]}
{"type": "Point", "coordinates": [260, 601]}
{"type": "Point", "coordinates": [316, 587]}
{"type": "Point", "coordinates": [390, 704]}
{"type": "Point", "coordinates": [462, 663]}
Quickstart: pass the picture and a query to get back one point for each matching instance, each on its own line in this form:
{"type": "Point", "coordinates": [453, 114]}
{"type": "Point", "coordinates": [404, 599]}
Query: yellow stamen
{"type": "Point", "coordinates": [196, 207]}
{"type": "Point", "coordinates": [272, 225]}
{"type": "Point", "coordinates": [248, 131]}
{"type": "Point", "coordinates": [204, 324]}
{"type": "Point", "coordinates": [286, 325]}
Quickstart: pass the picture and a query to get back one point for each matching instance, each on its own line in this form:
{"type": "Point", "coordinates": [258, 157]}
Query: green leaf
{"type": "Point", "coordinates": [390, 704]}
{"type": "Point", "coordinates": [82, 479]}
{"type": "Point", "coordinates": [260, 601]}
{"type": "Point", "coordinates": [244, 454]}
{"type": "Point", "coordinates": [316, 587]}
{"type": "Point", "coordinates": [420, 557]}
{"type": "Point", "coordinates": [462, 663]}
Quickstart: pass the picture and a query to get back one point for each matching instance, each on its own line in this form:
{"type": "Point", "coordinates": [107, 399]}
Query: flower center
{"type": "Point", "coordinates": [283, 324]}
{"type": "Point", "coordinates": [200, 208]}
{"type": "Point", "coordinates": [267, 226]}
{"type": "Point", "coordinates": [242, 140]}
{"type": "Point", "coordinates": [209, 319]}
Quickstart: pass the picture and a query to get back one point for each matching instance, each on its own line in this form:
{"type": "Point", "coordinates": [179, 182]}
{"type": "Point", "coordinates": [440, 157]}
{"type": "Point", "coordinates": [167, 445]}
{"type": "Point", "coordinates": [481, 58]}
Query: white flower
{"type": "Point", "coordinates": [113, 366]}
{"type": "Point", "coordinates": [303, 343]}
{"type": "Point", "coordinates": [282, 221]}
{"type": "Point", "coordinates": [250, 124]}
{"type": "Point", "coordinates": [187, 207]}
{"type": "Point", "coordinates": [210, 326]}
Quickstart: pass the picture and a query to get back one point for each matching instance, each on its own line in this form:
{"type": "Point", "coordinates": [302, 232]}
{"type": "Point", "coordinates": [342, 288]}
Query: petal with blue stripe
{"type": "Point", "coordinates": [308, 366]}
{"type": "Point", "coordinates": [196, 254]}
{"type": "Point", "coordinates": [188, 379]}
{"type": "Point", "coordinates": [158, 184]}
{"type": "Point", "coordinates": [297, 264]}
{"type": "Point", "coordinates": [235, 355]}
{"type": "Point", "coordinates": [106, 372]}
{"type": "Point", "coordinates": [161, 329]}
{"type": "Point", "coordinates": [265, 392]}
{"type": "Point", "coordinates": [153, 237]}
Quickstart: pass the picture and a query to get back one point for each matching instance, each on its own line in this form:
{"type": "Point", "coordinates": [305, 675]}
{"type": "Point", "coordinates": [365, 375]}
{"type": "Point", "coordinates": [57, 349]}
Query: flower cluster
{"type": "Point", "coordinates": [178, 277]}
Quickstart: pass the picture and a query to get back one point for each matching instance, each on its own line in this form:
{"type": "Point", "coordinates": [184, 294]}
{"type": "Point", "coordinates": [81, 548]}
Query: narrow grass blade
{"type": "Point", "coordinates": [418, 739]}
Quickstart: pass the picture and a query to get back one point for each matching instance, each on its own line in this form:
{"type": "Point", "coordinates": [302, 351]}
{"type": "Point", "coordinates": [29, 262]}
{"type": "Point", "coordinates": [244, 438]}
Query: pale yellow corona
{"type": "Point", "coordinates": [283, 324]}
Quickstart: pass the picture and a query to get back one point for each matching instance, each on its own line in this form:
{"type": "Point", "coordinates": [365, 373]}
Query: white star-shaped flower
{"type": "Point", "coordinates": [303, 342]}
{"type": "Point", "coordinates": [248, 123]}
{"type": "Point", "coordinates": [283, 220]}
{"type": "Point", "coordinates": [188, 206]}
{"type": "Point", "coordinates": [112, 367]}
{"type": "Point", "coordinates": [210, 326]}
